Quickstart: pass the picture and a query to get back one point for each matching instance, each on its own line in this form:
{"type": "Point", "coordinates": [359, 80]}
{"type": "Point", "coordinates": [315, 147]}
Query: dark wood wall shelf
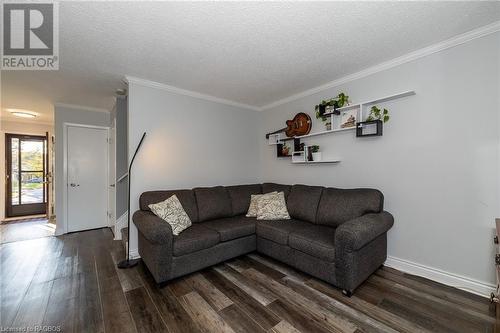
{"type": "Point", "coordinates": [369, 128]}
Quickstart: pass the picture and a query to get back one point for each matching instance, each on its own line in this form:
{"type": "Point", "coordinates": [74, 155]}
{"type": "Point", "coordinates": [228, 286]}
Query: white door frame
{"type": "Point", "coordinates": [50, 167]}
{"type": "Point", "coordinates": [112, 175]}
{"type": "Point", "coordinates": [65, 166]}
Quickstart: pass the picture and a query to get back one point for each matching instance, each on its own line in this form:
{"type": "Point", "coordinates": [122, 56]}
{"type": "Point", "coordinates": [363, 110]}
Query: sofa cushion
{"type": "Point", "coordinates": [303, 202]}
{"type": "Point", "coordinates": [186, 198]}
{"type": "Point", "coordinates": [315, 240]}
{"type": "Point", "coordinates": [232, 227]}
{"type": "Point", "coordinates": [240, 197]}
{"type": "Point", "coordinates": [194, 239]}
{"type": "Point", "coordinates": [272, 187]}
{"type": "Point", "coordinates": [213, 203]}
{"type": "Point", "coordinates": [341, 205]}
{"type": "Point", "coordinates": [278, 231]}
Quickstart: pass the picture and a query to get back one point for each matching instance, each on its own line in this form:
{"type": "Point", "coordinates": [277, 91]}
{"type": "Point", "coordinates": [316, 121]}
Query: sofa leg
{"type": "Point", "coordinates": [162, 284]}
{"type": "Point", "coordinates": [347, 293]}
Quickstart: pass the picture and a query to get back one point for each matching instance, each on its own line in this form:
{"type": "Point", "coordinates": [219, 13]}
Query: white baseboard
{"type": "Point", "coordinates": [134, 254]}
{"type": "Point", "coordinates": [477, 287]}
{"type": "Point", "coordinates": [119, 225]}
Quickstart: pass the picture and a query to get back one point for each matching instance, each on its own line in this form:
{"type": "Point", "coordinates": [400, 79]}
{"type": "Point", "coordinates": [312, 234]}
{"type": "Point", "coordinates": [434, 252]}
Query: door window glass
{"type": "Point", "coordinates": [15, 171]}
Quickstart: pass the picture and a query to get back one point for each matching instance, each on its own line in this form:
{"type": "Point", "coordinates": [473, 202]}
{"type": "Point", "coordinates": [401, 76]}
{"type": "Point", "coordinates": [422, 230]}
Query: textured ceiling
{"type": "Point", "coordinates": [248, 52]}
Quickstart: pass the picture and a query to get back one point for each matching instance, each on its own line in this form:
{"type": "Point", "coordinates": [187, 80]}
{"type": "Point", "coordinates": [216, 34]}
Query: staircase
{"type": "Point", "coordinates": [124, 232]}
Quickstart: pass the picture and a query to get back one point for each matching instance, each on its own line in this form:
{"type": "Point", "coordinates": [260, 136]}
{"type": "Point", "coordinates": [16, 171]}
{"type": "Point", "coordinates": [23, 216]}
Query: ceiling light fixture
{"type": "Point", "coordinates": [22, 113]}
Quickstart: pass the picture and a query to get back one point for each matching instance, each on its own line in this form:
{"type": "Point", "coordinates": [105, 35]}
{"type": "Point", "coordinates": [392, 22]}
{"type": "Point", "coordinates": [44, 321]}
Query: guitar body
{"type": "Point", "coordinates": [299, 125]}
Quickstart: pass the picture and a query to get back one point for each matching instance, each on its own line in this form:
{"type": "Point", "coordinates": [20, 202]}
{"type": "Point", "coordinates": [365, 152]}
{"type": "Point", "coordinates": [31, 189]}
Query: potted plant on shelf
{"type": "Point", "coordinates": [328, 125]}
{"type": "Point", "coordinates": [377, 114]}
{"type": "Point", "coordinates": [316, 154]}
{"type": "Point", "coordinates": [330, 105]}
{"type": "Point", "coordinates": [374, 123]}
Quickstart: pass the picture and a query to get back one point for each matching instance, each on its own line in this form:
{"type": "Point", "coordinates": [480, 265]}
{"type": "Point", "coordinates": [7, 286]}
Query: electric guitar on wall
{"type": "Point", "coordinates": [299, 125]}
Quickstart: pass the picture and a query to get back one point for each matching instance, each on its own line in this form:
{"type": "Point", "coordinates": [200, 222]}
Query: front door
{"type": "Point", "coordinates": [87, 177]}
{"type": "Point", "coordinates": [26, 157]}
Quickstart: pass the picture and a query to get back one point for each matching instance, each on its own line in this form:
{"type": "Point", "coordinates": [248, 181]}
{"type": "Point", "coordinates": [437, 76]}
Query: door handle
{"type": "Point", "coordinates": [74, 185]}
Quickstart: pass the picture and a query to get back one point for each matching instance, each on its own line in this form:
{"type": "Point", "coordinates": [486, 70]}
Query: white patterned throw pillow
{"type": "Point", "coordinates": [172, 212]}
{"type": "Point", "coordinates": [252, 209]}
{"type": "Point", "coordinates": [272, 206]}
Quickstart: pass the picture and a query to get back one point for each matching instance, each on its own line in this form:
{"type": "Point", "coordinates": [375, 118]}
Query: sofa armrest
{"type": "Point", "coordinates": [354, 234]}
{"type": "Point", "coordinates": [153, 228]}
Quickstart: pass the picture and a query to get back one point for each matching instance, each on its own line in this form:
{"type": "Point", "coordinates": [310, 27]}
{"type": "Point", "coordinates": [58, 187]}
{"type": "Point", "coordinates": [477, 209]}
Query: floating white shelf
{"type": "Point", "coordinates": [375, 101]}
{"type": "Point", "coordinates": [351, 107]}
{"type": "Point", "coordinates": [274, 139]}
{"type": "Point", "coordinates": [390, 97]}
{"type": "Point", "coordinates": [325, 132]}
{"type": "Point", "coordinates": [317, 162]}
{"type": "Point", "coordinates": [277, 139]}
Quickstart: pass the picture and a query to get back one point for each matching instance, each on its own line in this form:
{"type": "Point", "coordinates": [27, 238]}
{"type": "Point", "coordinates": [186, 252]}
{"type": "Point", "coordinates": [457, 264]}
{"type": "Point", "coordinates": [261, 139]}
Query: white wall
{"type": "Point", "coordinates": [74, 115]}
{"type": "Point", "coordinates": [15, 127]}
{"type": "Point", "coordinates": [190, 142]}
{"type": "Point", "coordinates": [121, 155]}
{"type": "Point", "coordinates": [437, 163]}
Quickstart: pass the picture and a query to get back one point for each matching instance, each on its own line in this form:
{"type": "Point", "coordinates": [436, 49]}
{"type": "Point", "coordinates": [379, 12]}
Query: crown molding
{"type": "Point", "coordinates": [435, 48]}
{"type": "Point", "coordinates": [179, 91]}
{"type": "Point", "coordinates": [80, 107]}
{"type": "Point", "coordinates": [426, 51]}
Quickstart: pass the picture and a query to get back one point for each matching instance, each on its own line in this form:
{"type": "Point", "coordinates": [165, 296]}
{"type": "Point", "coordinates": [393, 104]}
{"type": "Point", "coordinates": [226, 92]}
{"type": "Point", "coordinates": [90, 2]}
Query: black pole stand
{"type": "Point", "coordinates": [128, 263]}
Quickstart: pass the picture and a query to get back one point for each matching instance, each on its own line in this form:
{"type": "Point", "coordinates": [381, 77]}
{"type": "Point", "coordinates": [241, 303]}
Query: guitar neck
{"type": "Point", "coordinates": [276, 132]}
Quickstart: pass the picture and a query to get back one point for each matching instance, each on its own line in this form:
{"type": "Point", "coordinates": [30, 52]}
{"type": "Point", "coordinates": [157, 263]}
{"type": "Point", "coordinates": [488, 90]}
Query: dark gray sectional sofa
{"type": "Point", "coordinates": [337, 235]}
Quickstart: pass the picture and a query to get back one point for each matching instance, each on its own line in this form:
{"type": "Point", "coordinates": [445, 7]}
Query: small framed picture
{"type": "Point", "coordinates": [348, 118]}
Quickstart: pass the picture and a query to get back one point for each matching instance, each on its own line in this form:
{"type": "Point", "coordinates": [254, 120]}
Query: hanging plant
{"type": "Point", "coordinates": [337, 102]}
{"type": "Point", "coordinates": [377, 114]}
{"type": "Point", "coordinates": [343, 99]}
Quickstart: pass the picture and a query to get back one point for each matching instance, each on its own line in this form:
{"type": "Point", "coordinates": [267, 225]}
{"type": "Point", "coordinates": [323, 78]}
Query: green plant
{"type": "Point", "coordinates": [337, 102]}
{"type": "Point", "coordinates": [315, 148]}
{"type": "Point", "coordinates": [377, 114]}
{"type": "Point", "coordinates": [343, 99]}
{"type": "Point", "coordinates": [318, 114]}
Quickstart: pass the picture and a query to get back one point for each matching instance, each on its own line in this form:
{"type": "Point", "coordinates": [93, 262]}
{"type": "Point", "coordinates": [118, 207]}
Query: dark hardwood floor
{"type": "Point", "coordinates": [18, 230]}
{"type": "Point", "coordinates": [72, 282]}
